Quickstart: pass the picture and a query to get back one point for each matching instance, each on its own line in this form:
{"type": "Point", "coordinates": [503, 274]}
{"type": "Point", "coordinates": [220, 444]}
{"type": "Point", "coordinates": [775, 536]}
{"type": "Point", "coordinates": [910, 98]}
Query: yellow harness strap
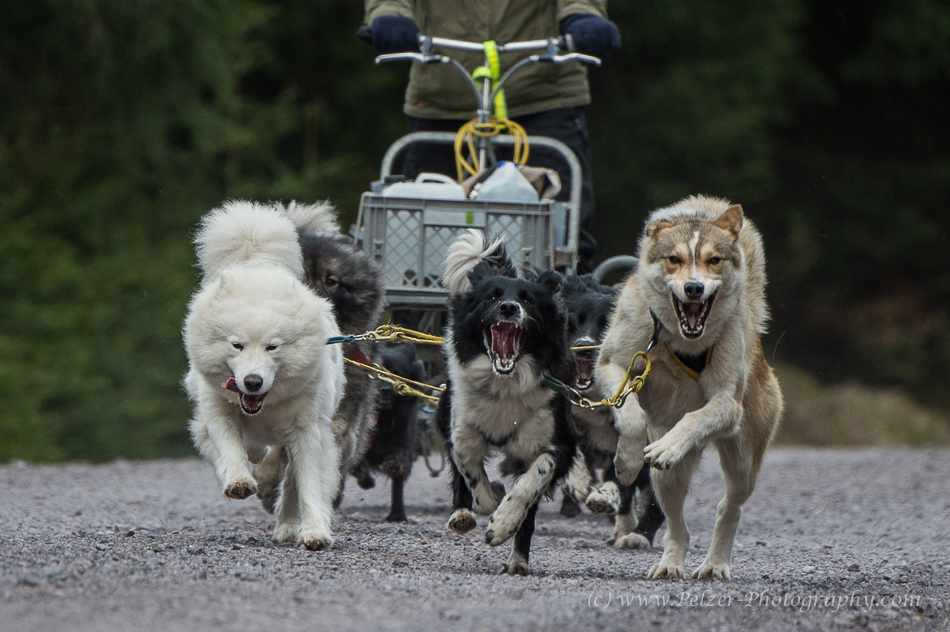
{"type": "Point", "coordinates": [689, 371]}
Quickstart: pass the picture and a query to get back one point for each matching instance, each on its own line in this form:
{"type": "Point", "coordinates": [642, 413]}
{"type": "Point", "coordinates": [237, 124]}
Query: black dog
{"type": "Point", "coordinates": [589, 306]}
{"type": "Point", "coordinates": [394, 444]}
{"type": "Point", "coordinates": [507, 335]}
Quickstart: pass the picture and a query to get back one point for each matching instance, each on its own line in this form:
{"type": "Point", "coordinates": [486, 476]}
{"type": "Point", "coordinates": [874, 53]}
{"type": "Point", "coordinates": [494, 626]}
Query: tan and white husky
{"type": "Point", "coordinates": [701, 284]}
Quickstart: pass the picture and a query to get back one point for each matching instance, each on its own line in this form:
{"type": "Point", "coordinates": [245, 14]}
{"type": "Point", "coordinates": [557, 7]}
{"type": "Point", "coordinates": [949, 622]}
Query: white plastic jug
{"type": "Point", "coordinates": [427, 186]}
{"type": "Point", "coordinates": [506, 184]}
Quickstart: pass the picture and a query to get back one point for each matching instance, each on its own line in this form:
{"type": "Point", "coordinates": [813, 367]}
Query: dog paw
{"type": "Point", "coordinates": [517, 564]}
{"type": "Point", "coordinates": [462, 521]}
{"type": "Point", "coordinates": [240, 489]}
{"type": "Point", "coordinates": [668, 450]}
{"type": "Point", "coordinates": [366, 482]}
{"type": "Point", "coordinates": [665, 570]}
{"type": "Point", "coordinates": [397, 517]}
{"type": "Point", "coordinates": [602, 501]}
{"type": "Point", "coordinates": [633, 541]}
{"type": "Point", "coordinates": [708, 570]}
{"type": "Point", "coordinates": [286, 532]}
{"type": "Point", "coordinates": [628, 461]}
{"type": "Point", "coordinates": [570, 508]}
{"type": "Point", "coordinates": [519, 568]}
{"type": "Point", "coordinates": [315, 539]}
{"type": "Point", "coordinates": [503, 524]}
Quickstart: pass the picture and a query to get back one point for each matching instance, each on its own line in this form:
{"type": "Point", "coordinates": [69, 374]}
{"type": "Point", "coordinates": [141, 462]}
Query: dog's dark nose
{"type": "Point", "coordinates": [585, 342]}
{"type": "Point", "coordinates": [508, 309]}
{"type": "Point", "coordinates": [693, 290]}
{"type": "Point", "coordinates": [253, 383]}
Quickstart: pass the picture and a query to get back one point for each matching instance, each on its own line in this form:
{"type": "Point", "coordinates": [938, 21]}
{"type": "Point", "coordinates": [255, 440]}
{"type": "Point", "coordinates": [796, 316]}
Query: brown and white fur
{"type": "Point", "coordinates": [702, 273]}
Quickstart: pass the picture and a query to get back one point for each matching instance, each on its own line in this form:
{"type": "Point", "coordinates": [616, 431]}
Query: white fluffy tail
{"type": "Point", "coordinates": [466, 252]}
{"type": "Point", "coordinates": [319, 217]}
{"type": "Point", "coordinates": [242, 233]}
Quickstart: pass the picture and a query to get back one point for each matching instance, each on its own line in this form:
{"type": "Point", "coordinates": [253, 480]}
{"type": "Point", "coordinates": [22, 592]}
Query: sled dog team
{"type": "Point", "coordinates": [280, 414]}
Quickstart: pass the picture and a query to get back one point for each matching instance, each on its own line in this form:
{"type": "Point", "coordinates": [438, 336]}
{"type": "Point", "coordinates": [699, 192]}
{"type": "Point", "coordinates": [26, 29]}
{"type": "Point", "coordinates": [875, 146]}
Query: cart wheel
{"type": "Point", "coordinates": [615, 269]}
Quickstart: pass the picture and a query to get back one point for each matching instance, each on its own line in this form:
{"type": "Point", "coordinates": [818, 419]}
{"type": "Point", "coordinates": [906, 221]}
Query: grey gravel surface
{"type": "Point", "coordinates": [831, 540]}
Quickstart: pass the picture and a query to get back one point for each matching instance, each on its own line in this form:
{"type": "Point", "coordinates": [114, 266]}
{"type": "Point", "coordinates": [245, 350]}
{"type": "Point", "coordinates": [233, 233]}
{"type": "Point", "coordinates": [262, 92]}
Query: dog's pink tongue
{"type": "Point", "coordinates": [231, 385]}
{"type": "Point", "coordinates": [693, 313]}
{"type": "Point", "coordinates": [504, 338]}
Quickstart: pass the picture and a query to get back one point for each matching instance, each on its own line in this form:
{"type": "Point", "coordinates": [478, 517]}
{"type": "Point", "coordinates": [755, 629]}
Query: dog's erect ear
{"type": "Point", "coordinates": [550, 281]}
{"type": "Point", "coordinates": [477, 274]}
{"type": "Point", "coordinates": [655, 227]}
{"type": "Point", "coordinates": [731, 220]}
{"type": "Point", "coordinates": [484, 270]}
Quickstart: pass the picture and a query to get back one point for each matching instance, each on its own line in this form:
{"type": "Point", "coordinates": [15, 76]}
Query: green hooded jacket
{"type": "Point", "coordinates": [439, 91]}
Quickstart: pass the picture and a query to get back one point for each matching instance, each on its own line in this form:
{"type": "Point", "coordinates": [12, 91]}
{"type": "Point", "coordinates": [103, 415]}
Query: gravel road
{"type": "Point", "coordinates": [831, 539]}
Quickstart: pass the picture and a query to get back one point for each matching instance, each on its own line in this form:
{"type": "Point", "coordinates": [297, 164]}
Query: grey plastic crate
{"type": "Point", "coordinates": [409, 238]}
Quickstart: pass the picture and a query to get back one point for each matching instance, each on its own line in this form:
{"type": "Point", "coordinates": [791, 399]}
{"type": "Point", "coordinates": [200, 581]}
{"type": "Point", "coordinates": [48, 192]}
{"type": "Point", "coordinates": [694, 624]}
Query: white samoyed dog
{"type": "Point", "coordinates": [261, 373]}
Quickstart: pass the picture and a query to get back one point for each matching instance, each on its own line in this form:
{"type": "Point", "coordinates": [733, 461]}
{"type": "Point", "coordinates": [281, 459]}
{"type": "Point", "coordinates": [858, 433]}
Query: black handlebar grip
{"type": "Point", "coordinates": [365, 33]}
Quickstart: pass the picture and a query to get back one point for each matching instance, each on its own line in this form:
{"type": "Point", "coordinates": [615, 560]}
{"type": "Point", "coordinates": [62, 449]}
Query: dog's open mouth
{"type": "Point", "coordinates": [692, 315]}
{"type": "Point", "coordinates": [251, 403]}
{"type": "Point", "coordinates": [585, 372]}
{"type": "Point", "coordinates": [503, 341]}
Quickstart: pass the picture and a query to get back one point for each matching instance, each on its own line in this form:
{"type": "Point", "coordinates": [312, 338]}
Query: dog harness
{"type": "Point", "coordinates": [693, 365]}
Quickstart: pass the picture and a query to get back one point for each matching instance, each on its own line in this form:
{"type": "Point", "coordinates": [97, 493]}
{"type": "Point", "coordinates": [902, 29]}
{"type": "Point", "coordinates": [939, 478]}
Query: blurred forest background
{"type": "Point", "coordinates": [123, 121]}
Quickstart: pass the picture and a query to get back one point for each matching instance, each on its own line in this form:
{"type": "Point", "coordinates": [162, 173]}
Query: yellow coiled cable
{"type": "Point", "coordinates": [465, 139]}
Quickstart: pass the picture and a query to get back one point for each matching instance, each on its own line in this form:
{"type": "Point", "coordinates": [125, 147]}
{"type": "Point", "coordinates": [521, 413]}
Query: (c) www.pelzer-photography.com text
{"type": "Point", "coordinates": [803, 602]}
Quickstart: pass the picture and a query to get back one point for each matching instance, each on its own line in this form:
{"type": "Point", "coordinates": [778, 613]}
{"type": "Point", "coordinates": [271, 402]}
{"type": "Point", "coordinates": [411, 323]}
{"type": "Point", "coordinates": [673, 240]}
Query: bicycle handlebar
{"type": "Point", "coordinates": [565, 43]}
{"type": "Point", "coordinates": [552, 47]}
{"type": "Point", "coordinates": [559, 43]}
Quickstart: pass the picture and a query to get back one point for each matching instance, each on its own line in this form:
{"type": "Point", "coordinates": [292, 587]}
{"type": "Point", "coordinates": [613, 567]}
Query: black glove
{"type": "Point", "coordinates": [592, 34]}
{"type": "Point", "coordinates": [394, 34]}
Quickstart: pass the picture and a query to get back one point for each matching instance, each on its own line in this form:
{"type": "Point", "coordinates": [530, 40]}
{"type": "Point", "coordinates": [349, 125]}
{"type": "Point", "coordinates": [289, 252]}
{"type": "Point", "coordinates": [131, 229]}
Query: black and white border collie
{"type": "Point", "coordinates": [589, 305]}
{"type": "Point", "coordinates": [505, 334]}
